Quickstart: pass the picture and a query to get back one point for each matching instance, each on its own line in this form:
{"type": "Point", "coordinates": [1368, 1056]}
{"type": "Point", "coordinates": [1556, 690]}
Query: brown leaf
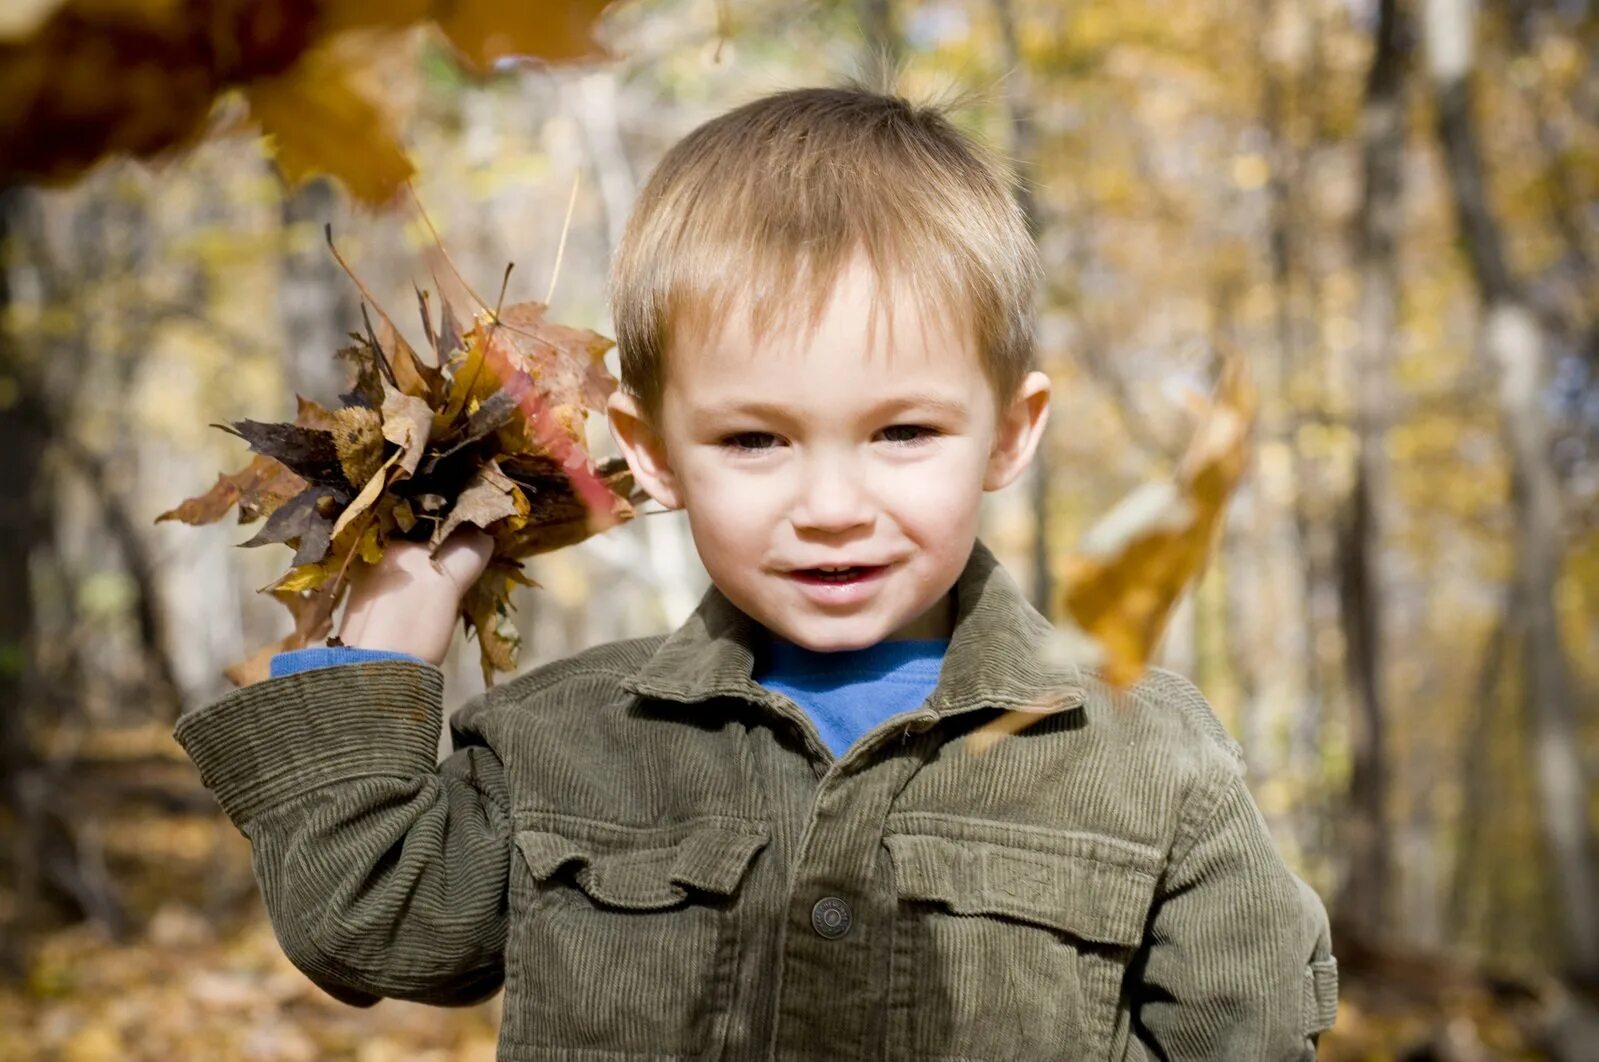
{"type": "Point", "coordinates": [258, 489]}
{"type": "Point", "coordinates": [488, 497]}
{"type": "Point", "coordinates": [82, 79]}
{"type": "Point", "coordinates": [309, 452]}
{"type": "Point", "coordinates": [358, 439]}
{"type": "Point", "coordinates": [316, 122]}
{"type": "Point", "coordinates": [494, 438]}
{"type": "Point", "coordinates": [369, 494]}
{"type": "Point", "coordinates": [485, 30]}
{"type": "Point", "coordinates": [1122, 584]}
{"type": "Point", "coordinates": [301, 519]}
{"type": "Point", "coordinates": [411, 375]}
{"type": "Point", "coordinates": [486, 608]}
{"type": "Point", "coordinates": [407, 422]}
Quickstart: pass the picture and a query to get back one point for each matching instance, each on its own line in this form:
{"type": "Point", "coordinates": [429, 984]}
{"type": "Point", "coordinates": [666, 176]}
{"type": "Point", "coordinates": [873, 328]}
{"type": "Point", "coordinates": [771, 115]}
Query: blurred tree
{"type": "Point", "coordinates": [1515, 341]}
{"type": "Point", "coordinates": [1021, 104]}
{"type": "Point", "coordinates": [315, 298]}
{"type": "Point", "coordinates": [1363, 904]}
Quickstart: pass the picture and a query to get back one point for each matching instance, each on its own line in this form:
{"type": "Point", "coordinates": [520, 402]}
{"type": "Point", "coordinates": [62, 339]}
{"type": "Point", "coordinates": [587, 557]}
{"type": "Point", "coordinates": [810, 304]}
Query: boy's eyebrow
{"type": "Point", "coordinates": [915, 400]}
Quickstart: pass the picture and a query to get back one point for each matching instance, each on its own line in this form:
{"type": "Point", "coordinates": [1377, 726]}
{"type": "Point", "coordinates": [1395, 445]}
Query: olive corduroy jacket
{"type": "Point", "coordinates": [658, 859]}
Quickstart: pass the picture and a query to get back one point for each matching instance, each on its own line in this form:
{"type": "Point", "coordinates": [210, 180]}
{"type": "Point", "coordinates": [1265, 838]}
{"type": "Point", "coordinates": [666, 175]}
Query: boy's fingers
{"type": "Point", "coordinates": [465, 554]}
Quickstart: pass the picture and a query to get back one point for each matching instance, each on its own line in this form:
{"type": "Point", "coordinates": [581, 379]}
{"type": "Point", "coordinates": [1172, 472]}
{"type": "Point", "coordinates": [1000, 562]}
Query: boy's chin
{"type": "Point", "coordinates": [831, 637]}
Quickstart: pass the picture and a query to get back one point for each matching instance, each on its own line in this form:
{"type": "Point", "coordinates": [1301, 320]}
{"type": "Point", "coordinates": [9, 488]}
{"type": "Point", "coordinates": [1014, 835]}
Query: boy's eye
{"type": "Point", "coordinates": [749, 440]}
{"type": "Point", "coordinates": [910, 434]}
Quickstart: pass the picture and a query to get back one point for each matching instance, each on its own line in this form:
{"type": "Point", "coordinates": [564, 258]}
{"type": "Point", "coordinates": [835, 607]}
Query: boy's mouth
{"type": "Point", "coordinates": [835, 584]}
{"type": "Point", "coordinates": [835, 575]}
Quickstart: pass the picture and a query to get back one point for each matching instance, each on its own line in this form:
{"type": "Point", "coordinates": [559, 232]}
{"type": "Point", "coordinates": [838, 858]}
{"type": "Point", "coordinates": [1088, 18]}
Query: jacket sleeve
{"type": "Point", "coordinates": [383, 871]}
{"type": "Point", "coordinates": [1237, 960]}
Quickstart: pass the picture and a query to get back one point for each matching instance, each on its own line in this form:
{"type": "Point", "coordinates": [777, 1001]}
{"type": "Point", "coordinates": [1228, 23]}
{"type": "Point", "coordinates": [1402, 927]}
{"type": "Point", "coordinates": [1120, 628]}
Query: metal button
{"type": "Point", "coordinates": [831, 917]}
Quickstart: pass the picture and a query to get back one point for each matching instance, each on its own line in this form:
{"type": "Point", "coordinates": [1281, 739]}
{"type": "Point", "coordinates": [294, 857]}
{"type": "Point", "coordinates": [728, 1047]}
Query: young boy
{"type": "Point", "coordinates": [761, 836]}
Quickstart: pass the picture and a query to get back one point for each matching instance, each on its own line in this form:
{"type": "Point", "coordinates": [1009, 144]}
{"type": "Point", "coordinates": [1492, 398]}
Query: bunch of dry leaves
{"type": "Point", "coordinates": [491, 434]}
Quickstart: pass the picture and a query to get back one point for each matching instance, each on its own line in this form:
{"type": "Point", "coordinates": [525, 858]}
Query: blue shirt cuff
{"type": "Point", "coordinates": [331, 656]}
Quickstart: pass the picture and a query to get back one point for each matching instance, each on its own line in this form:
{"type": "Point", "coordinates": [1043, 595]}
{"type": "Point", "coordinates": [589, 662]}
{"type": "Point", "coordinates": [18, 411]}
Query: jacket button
{"type": "Point", "coordinates": [831, 917]}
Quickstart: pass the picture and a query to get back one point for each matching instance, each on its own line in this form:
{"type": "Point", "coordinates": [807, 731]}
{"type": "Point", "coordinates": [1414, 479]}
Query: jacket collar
{"type": "Point", "coordinates": [998, 654]}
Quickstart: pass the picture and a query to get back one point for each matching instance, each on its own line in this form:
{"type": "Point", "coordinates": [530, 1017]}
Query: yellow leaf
{"type": "Point", "coordinates": [368, 495]}
{"type": "Point", "coordinates": [305, 577]}
{"type": "Point", "coordinates": [317, 122]}
{"type": "Point", "coordinates": [486, 30]}
{"type": "Point", "coordinates": [370, 549]}
{"type": "Point", "coordinates": [1121, 587]}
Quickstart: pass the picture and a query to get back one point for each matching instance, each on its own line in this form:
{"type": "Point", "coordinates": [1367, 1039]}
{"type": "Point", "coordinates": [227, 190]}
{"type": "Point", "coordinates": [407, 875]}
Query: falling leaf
{"type": "Point", "coordinates": [317, 122]}
{"type": "Point", "coordinates": [484, 31]}
{"type": "Point", "coordinates": [83, 79]}
{"type": "Point", "coordinates": [1121, 586]}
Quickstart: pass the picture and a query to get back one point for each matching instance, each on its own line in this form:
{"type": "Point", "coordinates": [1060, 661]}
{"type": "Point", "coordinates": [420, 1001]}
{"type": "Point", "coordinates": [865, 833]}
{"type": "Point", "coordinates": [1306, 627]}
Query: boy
{"type": "Point", "coordinates": [761, 836]}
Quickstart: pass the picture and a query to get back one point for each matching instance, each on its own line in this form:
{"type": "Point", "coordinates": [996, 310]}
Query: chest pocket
{"type": "Point", "coordinates": [625, 942]}
{"type": "Point", "coordinates": [1009, 951]}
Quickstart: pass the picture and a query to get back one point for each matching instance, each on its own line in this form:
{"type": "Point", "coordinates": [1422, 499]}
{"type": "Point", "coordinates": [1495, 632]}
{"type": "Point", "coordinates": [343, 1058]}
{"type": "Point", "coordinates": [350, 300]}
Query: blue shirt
{"type": "Point", "coordinates": [845, 693]}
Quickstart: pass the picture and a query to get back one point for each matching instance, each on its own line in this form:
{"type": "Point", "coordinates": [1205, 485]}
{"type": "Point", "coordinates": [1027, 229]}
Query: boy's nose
{"type": "Point", "coordinates": [831, 499]}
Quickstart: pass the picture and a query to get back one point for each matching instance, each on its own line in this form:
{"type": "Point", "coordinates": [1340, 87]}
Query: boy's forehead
{"type": "Point", "coordinates": [835, 372]}
{"type": "Point", "coordinates": [861, 346]}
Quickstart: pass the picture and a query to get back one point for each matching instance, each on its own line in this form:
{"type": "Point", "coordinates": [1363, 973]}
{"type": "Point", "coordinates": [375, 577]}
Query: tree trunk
{"type": "Point", "coordinates": [1514, 339]}
{"type": "Point", "coordinates": [1284, 667]}
{"type": "Point", "coordinates": [1364, 901]}
{"type": "Point", "coordinates": [46, 861]}
{"type": "Point", "coordinates": [1022, 148]}
{"type": "Point", "coordinates": [315, 299]}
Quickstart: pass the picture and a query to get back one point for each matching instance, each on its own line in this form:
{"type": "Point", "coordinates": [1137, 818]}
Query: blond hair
{"type": "Point", "coordinates": [770, 201]}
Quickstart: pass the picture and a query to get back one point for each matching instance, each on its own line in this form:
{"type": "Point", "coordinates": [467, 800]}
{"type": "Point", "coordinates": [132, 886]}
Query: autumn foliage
{"type": "Point", "coordinates": [491, 433]}
{"type": "Point", "coordinates": [84, 79]}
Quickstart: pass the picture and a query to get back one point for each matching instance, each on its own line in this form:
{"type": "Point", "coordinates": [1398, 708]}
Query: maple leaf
{"type": "Point", "coordinates": [1121, 585]}
{"type": "Point", "coordinates": [317, 121]}
{"type": "Point", "coordinates": [493, 436]}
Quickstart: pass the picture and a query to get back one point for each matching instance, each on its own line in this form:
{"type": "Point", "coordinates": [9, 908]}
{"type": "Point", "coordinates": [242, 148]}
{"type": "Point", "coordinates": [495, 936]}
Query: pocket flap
{"type": "Point", "coordinates": [651, 872]}
{"type": "Point", "coordinates": [1320, 995]}
{"type": "Point", "coordinates": [1088, 898]}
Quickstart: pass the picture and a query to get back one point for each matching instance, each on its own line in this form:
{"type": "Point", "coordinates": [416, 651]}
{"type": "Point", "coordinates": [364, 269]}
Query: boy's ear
{"type": "Point", "coordinates": [1020, 428]}
{"type": "Point", "coordinates": [643, 448]}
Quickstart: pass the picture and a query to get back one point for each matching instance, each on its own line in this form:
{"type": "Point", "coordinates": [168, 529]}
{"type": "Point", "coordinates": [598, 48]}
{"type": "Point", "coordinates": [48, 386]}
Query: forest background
{"type": "Point", "coordinates": [1390, 210]}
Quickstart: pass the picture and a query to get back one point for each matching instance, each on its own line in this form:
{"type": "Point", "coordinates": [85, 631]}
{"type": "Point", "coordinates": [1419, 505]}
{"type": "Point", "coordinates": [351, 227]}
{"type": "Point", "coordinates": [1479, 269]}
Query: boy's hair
{"type": "Point", "coordinates": [771, 200]}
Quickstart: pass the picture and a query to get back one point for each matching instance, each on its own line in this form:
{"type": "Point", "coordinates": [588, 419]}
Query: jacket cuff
{"type": "Point", "coordinates": [273, 740]}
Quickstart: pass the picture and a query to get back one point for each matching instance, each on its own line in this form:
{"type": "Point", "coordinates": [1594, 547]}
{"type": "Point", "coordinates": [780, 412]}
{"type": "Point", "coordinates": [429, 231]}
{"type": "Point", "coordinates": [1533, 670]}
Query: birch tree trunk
{"type": "Point", "coordinates": [1514, 339]}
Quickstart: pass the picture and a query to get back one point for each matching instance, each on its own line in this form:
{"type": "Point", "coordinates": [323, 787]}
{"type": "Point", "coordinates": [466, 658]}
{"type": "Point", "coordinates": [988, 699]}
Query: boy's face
{"type": "Point", "coordinates": [793, 455]}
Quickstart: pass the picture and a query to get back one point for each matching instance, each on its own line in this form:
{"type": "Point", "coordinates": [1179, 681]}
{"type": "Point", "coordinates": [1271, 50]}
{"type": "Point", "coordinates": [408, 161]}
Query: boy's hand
{"type": "Point", "coordinates": [406, 604]}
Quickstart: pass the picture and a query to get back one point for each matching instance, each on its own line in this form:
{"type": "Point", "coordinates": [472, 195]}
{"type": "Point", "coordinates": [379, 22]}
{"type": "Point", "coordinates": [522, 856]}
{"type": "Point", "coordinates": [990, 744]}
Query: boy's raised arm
{"type": "Point", "coordinates": [1237, 961]}
{"type": "Point", "coordinates": [384, 872]}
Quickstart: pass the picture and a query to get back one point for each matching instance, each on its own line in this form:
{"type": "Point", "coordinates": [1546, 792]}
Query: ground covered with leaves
{"type": "Point", "coordinates": [199, 975]}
